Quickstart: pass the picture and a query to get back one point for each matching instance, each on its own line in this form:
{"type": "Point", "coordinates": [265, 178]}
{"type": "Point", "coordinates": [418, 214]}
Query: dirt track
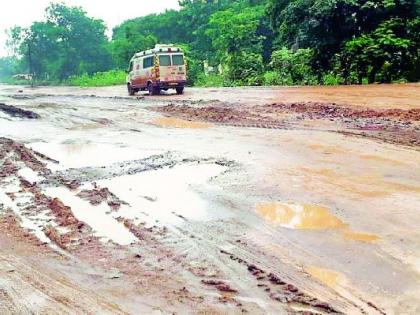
{"type": "Point", "coordinates": [258, 200]}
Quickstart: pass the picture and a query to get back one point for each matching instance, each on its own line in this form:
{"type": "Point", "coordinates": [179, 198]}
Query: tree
{"type": "Point", "coordinates": [67, 43]}
{"type": "Point", "coordinates": [234, 36]}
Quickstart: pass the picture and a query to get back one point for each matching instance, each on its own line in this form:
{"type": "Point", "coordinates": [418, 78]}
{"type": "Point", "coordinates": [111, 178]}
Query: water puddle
{"type": "Point", "coordinates": [166, 195]}
{"type": "Point", "coordinates": [30, 175]}
{"type": "Point", "coordinates": [104, 225]}
{"type": "Point", "coordinates": [308, 217]}
{"type": "Point", "coordinates": [299, 216]}
{"type": "Point", "coordinates": [77, 155]}
{"type": "Point", "coordinates": [180, 123]}
{"type": "Point", "coordinates": [26, 223]}
{"type": "Point", "coordinates": [361, 237]}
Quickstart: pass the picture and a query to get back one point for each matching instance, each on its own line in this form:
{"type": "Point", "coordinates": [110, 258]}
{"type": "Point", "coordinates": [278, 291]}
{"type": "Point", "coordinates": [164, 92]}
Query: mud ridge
{"type": "Point", "coordinates": [18, 112]}
{"type": "Point", "coordinates": [281, 291]}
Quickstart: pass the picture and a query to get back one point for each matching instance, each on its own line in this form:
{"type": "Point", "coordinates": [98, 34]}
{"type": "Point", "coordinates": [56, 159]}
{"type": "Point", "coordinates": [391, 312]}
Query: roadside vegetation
{"type": "Point", "coordinates": [231, 42]}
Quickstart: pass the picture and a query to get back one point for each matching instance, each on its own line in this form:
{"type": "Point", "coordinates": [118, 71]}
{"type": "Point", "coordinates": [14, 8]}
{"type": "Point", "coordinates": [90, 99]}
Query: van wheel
{"type": "Point", "coordinates": [180, 90]}
{"type": "Point", "coordinates": [130, 90]}
{"type": "Point", "coordinates": [153, 90]}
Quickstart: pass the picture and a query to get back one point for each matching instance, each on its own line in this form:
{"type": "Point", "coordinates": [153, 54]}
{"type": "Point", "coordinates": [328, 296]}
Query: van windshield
{"type": "Point", "coordinates": [177, 60]}
{"type": "Point", "coordinates": [164, 60]}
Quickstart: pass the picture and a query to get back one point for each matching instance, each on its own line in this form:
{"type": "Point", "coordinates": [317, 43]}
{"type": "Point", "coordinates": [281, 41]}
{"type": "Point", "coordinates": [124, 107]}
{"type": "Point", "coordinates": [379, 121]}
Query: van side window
{"type": "Point", "coordinates": [130, 67]}
{"type": "Point", "coordinates": [147, 62]}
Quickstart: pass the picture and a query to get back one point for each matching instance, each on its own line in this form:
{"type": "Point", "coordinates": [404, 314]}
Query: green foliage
{"type": "Point", "coordinates": [332, 79]}
{"type": "Point", "coordinates": [67, 43]}
{"type": "Point", "coordinates": [294, 67]}
{"type": "Point", "coordinates": [210, 80]}
{"type": "Point", "coordinates": [273, 78]}
{"type": "Point", "coordinates": [8, 66]}
{"type": "Point", "coordinates": [112, 77]}
{"type": "Point", "coordinates": [386, 54]}
{"type": "Point", "coordinates": [255, 42]}
{"type": "Point", "coordinates": [327, 26]}
{"type": "Point", "coordinates": [234, 35]}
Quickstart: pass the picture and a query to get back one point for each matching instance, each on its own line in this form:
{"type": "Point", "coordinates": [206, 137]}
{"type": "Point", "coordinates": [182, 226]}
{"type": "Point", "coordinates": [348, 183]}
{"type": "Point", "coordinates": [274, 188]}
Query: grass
{"type": "Point", "coordinates": [108, 78]}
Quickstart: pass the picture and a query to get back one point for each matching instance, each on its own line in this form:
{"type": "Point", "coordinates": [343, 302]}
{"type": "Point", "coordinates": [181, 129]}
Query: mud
{"type": "Point", "coordinates": [392, 125]}
{"type": "Point", "coordinates": [219, 201]}
{"type": "Point", "coordinates": [18, 112]}
{"type": "Point", "coordinates": [98, 195]}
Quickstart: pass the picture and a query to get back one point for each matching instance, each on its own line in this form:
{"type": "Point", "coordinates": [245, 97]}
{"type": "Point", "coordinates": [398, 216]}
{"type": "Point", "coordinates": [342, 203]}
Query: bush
{"type": "Point", "coordinates": [245, 68]}
{"type": "Point", "coordinates": [272, 78]}
{"type": "Point", "coordinates": [294, 67]}
{"type": "Point", "coordinates": [211, 80]}
{"type": "Point", "coordinates": [332, 79]}
{"type": "Point", "coordinates": [112, 77]}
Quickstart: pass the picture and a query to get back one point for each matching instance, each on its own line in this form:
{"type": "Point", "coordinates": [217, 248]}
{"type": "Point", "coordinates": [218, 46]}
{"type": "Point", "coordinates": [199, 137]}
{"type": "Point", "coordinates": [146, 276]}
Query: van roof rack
{"type": "Point", "coordinates": [159, 48]}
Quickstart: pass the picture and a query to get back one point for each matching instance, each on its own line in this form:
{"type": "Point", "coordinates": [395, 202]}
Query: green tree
{"type": "Point", "coordinates": [234, 36]}
{"type": "Point", "coordinates": [67, 43]}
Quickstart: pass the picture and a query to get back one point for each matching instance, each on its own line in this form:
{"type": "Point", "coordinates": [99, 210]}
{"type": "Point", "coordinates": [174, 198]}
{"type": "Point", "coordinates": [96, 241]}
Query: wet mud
{"type": "Point", "coordinates": [215, 202]}
{"type": "Point", "coordinates": [391, 125]}
{"type": "Point", "coordinates": [18, 112]}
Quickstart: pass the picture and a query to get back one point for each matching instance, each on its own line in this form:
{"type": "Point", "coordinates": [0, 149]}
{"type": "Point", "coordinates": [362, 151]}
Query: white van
{"type": "Point", "coordinates": [160, 68]}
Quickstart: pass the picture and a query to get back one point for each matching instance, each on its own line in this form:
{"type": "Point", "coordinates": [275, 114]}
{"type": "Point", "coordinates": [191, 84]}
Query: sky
{"type": "Point", "coordinates": [113, 12]}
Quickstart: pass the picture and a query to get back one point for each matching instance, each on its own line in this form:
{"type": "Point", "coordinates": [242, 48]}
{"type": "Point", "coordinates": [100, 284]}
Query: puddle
{"type": "Point", "coordinates": [25, 222]}
{"type": "Point", "coordinates": [77, 155]}
{"type": "Point", "coordinates": [299, 216]}
{"type": "Point", "coordinates": [361, 237]}
{"type": "Point", "coordinates": [104, 225]}
{"type": "Point", "coordinates": [166, 195]}
{"type": "Point", "coordinates": [309, 217]}
{"type": "Point", "coordinates": [329, 277]}
{"type": "Point", "coordinates": [30, 175]}
{"type": "Point", "coordinates": [180, 123]}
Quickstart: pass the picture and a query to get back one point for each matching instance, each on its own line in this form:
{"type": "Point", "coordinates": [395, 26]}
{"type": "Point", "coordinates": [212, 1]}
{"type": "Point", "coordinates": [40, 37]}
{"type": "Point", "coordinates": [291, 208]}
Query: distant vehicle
{"type": "Point", "coordinates": [23, 76]}
{"type": "Point", "coordinates": [160, 68]}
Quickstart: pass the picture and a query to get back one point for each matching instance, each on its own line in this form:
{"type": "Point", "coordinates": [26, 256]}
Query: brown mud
{"type": "Point", "coordinates": [179, 205]}
{"type": "Point", "coordinates": [392, 125]}
{"type": "Point", "coordinates": [18, 112]}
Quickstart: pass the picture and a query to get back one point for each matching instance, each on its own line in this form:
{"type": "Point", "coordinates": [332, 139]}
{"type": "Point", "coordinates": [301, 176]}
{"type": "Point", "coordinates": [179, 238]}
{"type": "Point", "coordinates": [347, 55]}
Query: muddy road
{"type": "Point", "coordinates": [221, 201]}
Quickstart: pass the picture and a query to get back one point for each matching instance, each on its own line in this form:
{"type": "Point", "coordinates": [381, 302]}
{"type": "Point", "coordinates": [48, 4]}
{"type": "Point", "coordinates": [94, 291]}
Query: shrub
{"type": "Point", "coordinates": [272, 78]}
{"type": "Point", "coordinates": [112, 77]}
{"type": "Point", "coordinates": [294, 67]}
{"type": "Point", "coordinates": [211, 80]}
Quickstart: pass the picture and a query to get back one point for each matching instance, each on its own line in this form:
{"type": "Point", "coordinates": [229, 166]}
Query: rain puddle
{"type": "Point", "coordinates": [299, 216]}
{"type": "Point", "coordinates": [166, 195]}
{"type": "Point", "coordinates": [30, 175]}
{"type": "Point", "coordinates": [77, 155]}
{"type": "Point", "coordinates": [180, 123]}
{"type": "Point", "coordinates": [104, 225]}
{"type": "Point", "coordinates": [361, 237]}
{"type": "Point", "coordinates": [25, 222]}
{"type": "Point", "coordinates": [308, 217]}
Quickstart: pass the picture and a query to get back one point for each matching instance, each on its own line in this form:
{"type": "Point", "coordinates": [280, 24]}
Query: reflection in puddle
{"type": "Point", "coordinates": [179, 123]}
{"type": "Point", "coordinates": [299, 216]}
{"type": "Point", "coordinates": [30, 175]}
{"type": "Point", "coordinates": [96, 217]}
{"type": "Point", "coordinates": [329, 277]}
{"type": "Point", "coordinates": [76, 155]}
{"type": "Point", "coordinates": [309, 217]}
{"type": "Point", "coordinates": [169, 196]}
{"type": "Point", "coordinates": [361, 237]}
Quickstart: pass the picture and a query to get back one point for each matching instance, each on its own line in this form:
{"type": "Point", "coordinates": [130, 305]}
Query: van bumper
{"type": "Point", "coordinates": [170, 84]}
